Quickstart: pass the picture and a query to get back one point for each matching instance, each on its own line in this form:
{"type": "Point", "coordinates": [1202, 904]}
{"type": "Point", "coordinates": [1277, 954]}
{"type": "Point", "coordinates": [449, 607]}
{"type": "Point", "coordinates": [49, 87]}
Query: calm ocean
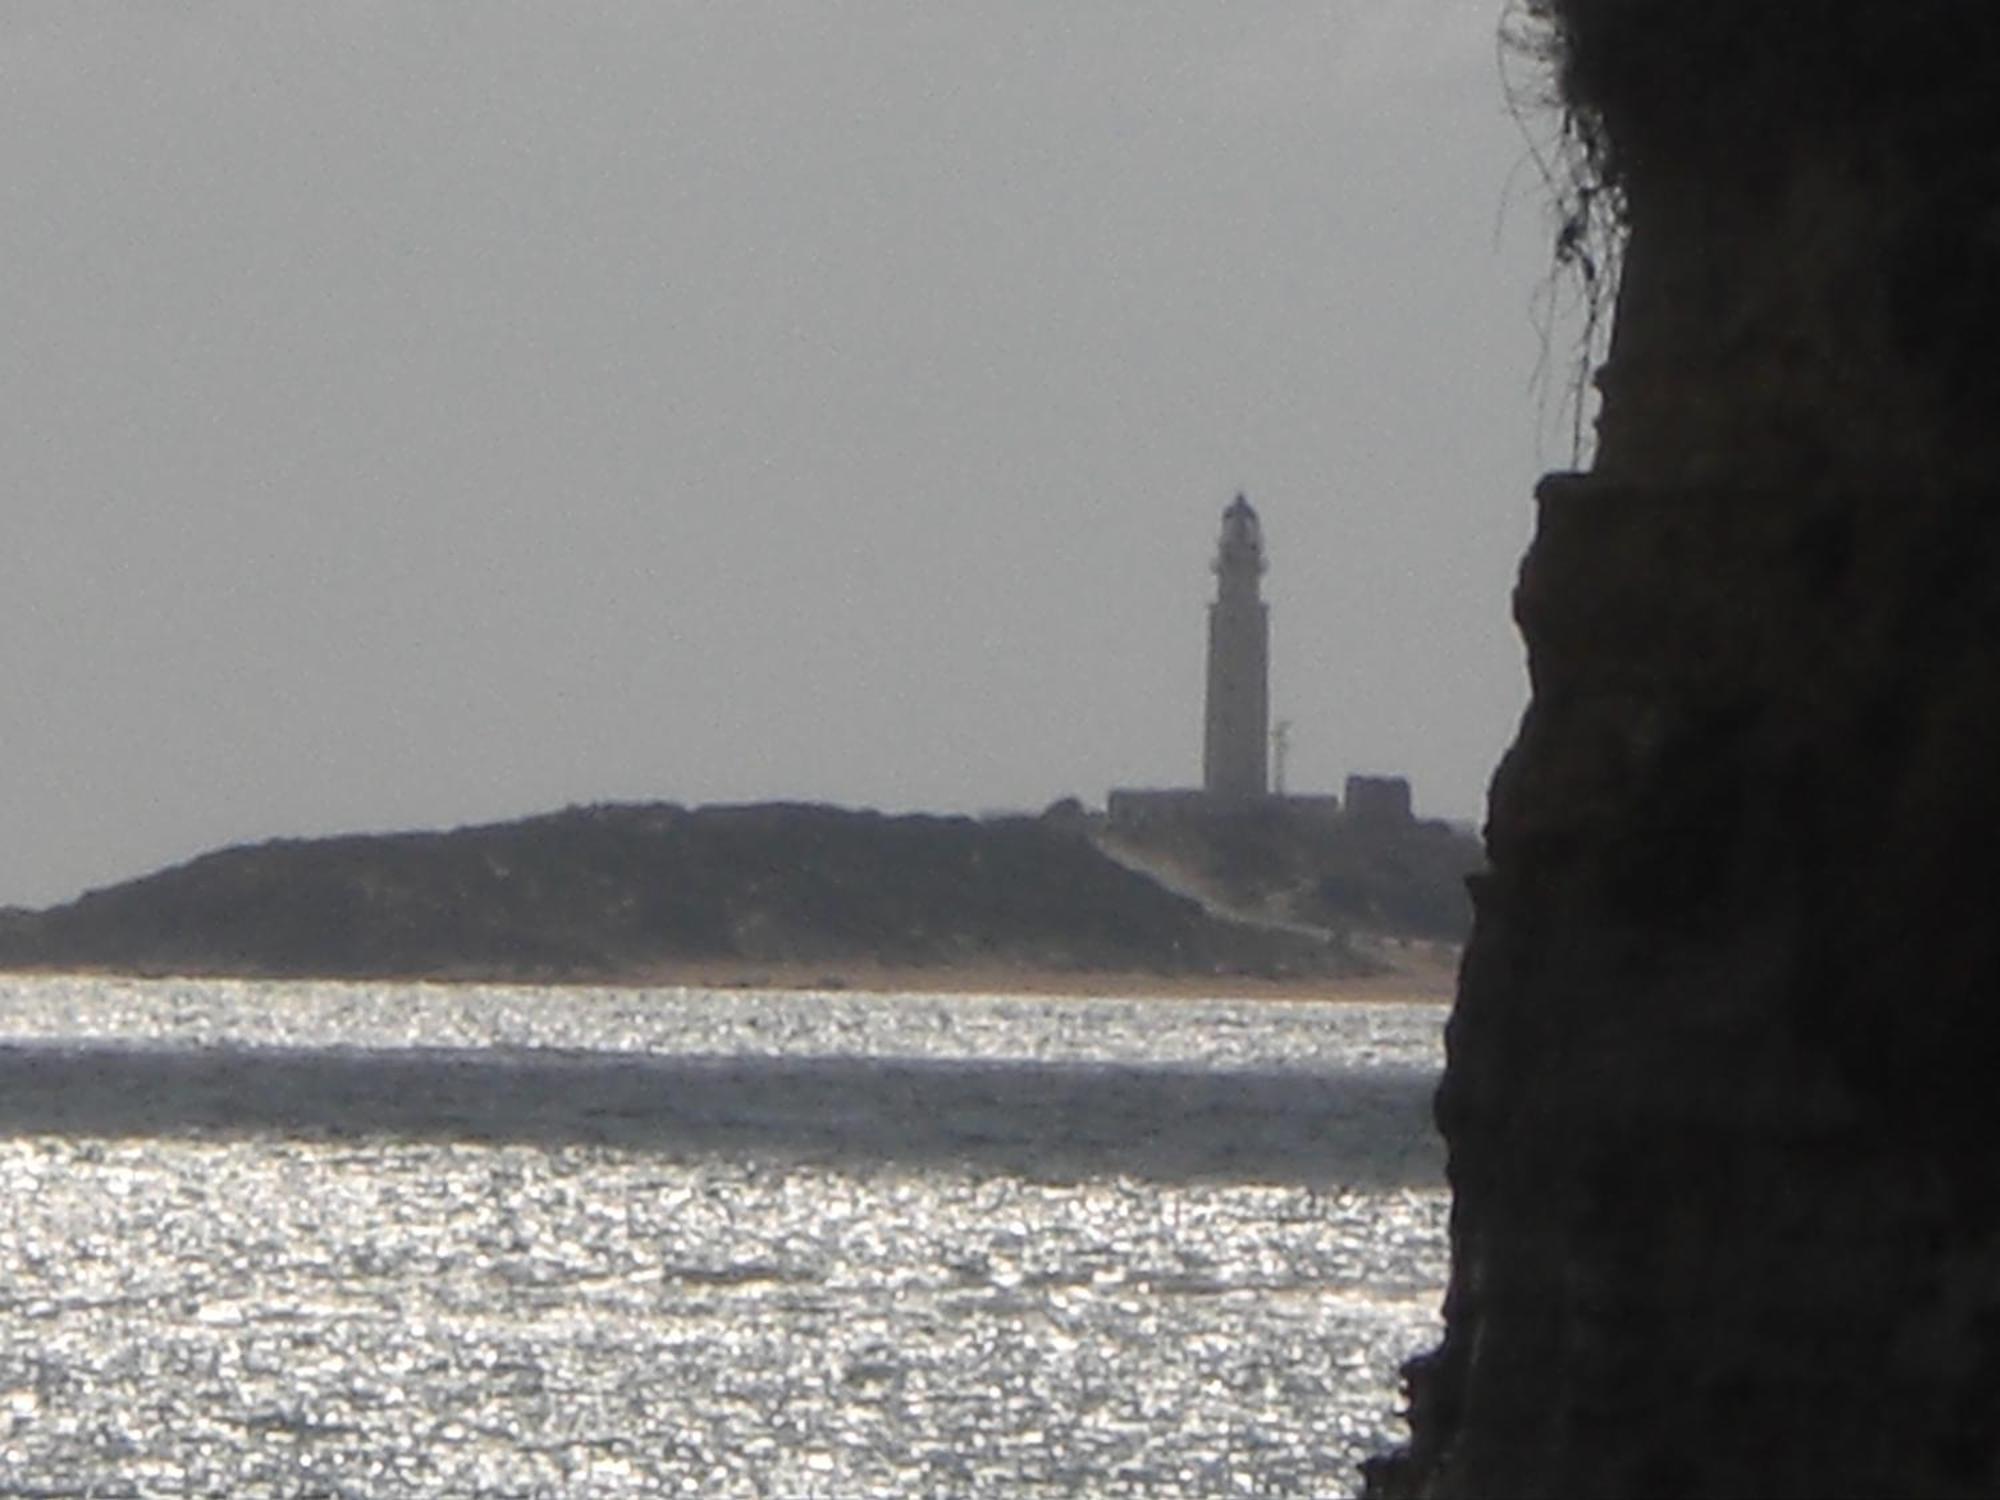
{"type": "Point", "coordinates": [366, 1240]}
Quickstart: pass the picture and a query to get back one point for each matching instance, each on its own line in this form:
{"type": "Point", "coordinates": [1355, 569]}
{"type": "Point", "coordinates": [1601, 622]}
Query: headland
{"type": "Point", "coordinates": [772, 895]}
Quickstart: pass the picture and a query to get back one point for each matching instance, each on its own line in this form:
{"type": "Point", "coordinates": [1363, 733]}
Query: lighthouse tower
{"type": "Point", "coordinates": [1234, 750]}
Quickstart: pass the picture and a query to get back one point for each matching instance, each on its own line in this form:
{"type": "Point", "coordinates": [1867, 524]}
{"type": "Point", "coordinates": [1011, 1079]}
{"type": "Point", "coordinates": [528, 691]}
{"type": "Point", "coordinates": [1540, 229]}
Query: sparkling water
{"type": "Point", "coordinates": [387, 1240]}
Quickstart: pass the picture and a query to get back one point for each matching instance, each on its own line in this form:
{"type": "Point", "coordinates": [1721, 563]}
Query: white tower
{"type": "Point", "coordinates": [1234, 761]}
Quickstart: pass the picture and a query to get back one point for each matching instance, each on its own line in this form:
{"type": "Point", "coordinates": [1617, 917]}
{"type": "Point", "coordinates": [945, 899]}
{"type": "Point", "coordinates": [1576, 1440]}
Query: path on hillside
{"type": "Point", "coordinates": [1432, 968]}
{"type": "Point", "coordinates": [1186, 884]}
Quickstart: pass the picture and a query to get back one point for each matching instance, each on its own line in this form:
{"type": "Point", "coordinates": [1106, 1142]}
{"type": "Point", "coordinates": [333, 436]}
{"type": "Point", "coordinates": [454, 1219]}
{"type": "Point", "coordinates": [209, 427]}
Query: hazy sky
{"type": "Point", "coordinates": [426, 411]}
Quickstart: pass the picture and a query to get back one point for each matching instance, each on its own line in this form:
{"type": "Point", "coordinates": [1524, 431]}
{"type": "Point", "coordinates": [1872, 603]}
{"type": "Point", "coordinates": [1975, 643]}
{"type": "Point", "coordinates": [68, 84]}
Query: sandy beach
{"type": "Point", "coordinates": [1416, 973]}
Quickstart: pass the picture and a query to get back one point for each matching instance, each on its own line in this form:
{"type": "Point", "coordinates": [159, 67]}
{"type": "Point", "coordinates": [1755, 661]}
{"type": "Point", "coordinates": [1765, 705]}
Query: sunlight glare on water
{"type": "Point", "coordinates": [856, 1254]}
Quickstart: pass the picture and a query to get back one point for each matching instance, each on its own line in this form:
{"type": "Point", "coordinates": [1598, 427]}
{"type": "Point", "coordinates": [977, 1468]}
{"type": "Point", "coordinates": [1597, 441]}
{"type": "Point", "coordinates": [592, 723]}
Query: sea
{"type": "Point", "coordinates": [333, 1240]}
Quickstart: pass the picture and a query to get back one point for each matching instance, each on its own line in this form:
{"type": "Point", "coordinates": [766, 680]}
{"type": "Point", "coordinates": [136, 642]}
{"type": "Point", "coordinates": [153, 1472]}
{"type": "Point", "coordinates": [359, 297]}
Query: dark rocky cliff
{"type": "Point", "coordinates": [619, 892]}
{"type": "Point", "coordinates": [1721, 1090]}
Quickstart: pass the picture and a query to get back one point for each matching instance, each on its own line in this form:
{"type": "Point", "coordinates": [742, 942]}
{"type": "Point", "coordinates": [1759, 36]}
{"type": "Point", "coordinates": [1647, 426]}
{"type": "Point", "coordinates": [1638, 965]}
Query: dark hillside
{"type": "Point", "coordinates": [609, 892]}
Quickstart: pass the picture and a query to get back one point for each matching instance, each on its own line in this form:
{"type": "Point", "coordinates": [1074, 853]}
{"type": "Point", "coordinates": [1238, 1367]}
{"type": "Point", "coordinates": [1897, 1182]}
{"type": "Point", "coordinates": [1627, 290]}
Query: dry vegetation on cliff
{"type": "Point", "coordinates": [1736, 96]}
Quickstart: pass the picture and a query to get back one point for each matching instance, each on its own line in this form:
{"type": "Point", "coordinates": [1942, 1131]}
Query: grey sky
{"type": "Point", "coordinates": [421, 411]}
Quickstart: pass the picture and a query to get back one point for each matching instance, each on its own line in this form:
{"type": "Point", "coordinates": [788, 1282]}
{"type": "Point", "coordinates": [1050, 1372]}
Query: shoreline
{"type": "Point", "coordinates": [1415, 979]}
{"type": "Point", "coordinates": [1419, 974]}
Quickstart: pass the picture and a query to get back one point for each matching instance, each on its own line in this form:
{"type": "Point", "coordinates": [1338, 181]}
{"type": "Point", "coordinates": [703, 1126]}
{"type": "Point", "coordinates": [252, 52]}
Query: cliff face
{"type": "Point", "coordinates": [1722, 1074]}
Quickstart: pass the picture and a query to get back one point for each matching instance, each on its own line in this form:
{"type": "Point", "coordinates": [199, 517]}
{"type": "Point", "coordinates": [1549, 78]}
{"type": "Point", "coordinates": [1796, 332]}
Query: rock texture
{"type": "Point", "coordinates": [1724, 1077]}
{"type": "Point", "coordinates": [608, 893]}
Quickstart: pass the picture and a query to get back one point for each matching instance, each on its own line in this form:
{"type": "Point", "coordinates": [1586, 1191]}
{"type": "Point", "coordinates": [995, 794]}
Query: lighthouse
{"type": "Point", "coordinates": [1235, 747]}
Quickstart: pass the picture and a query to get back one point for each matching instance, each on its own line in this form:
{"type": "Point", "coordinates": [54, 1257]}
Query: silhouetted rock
{"type": "Point", "coordinates": [610, 892]}
{"type": "Point", "coordinates": [1720, 1101]}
